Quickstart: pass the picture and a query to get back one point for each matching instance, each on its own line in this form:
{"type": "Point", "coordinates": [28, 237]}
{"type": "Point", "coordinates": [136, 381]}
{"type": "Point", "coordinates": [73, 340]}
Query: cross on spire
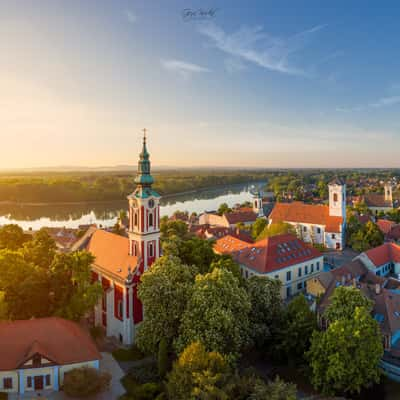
{"type": "Point", "coordinates": [144, 133]}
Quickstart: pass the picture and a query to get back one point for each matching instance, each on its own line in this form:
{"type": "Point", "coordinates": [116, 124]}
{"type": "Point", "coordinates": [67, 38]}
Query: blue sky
{"type": "Point", "coordinates": [260, 83]}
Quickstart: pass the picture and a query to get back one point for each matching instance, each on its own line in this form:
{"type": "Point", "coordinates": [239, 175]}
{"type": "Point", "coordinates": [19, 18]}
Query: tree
{"type": "Point", "coordinates": [41, 249]}
{"type": "Point", "coordinates": [12, 237]}
{"type": "Point", "coordinates": [226, 261]}
{"type": "Point", "coordinates": [345, 358]}
{"type": "Point", "coordinates": [170, 229]}
{"type": "Point", "coordinates": [278, 228]}
{"type": "Point", "coordinates": [299, 322]}
{"type": "Point", "coordinates": [216, 314]}
{"type": "Point", "coordinates": [366, 237]}
{"type": "Point", "coordinates": [85, 381]}
{"type": "Point", "coordinates": [164, 291]}
{"type": "Point", "coordinates": [162, 359]}
{"type": "Point", "coordinates": [258, 227]}
{"type": "Point", "coordinates": [322, 189]}
{"type": "Point", "coordinates": [198, 374]}
{"type": "Point", "coordinates": [344, 302]}
{"type": "Point", "coordinates": [266, 307]}
{"type": "Point", "coordinates": [275, 390]}
{"type": "Point", "coordinates": [223, 208]}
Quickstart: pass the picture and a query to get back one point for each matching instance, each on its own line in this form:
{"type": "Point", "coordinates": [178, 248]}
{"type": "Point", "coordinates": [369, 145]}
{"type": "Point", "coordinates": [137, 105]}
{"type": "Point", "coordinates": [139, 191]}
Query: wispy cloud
{"type": "Point", "coordinates": [183, 68]}
{"type": "Point", "coordinates": [380, 103]}
{"type": "Point", "coordinates": [254, 45]}
{"type": "Point", "coordinates": [131, 16]}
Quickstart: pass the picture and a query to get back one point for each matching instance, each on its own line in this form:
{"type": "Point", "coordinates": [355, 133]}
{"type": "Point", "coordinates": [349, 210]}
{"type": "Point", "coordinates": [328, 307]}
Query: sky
{"type": "Point", "coordinates": [216, 83]}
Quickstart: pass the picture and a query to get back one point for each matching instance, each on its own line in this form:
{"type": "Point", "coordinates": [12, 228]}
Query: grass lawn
{"type": "Point", "coordinates": [129, 354]}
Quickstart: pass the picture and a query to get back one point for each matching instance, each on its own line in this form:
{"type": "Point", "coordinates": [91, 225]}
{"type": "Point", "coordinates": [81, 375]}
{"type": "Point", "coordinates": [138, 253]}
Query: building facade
{"type": "Point", "coordinates": [320, 224]}
{"type": "Point", "coordinates": [120, 261]}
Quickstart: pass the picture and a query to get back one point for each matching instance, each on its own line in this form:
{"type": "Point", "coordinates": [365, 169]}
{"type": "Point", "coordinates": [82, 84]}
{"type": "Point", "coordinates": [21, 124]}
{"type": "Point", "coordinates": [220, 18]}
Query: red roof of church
{"type": "Point", "coordinates": [235, 217]}
{"type": "Point", "coordinates": [387, 252]}
{"type": "Point", "coordinates": [269, 254]}
{"type": "Point", "coordinates": [306, 213]}
{"type": "Point", "coordinates": [112, 253]}
{"type": "Point", "coordinates": [56, 339]}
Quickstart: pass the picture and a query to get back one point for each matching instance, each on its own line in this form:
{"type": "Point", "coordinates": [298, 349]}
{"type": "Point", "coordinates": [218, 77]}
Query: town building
{"type": "Point", "coordinates": [283, 257]}
{"type": "Point", "coordinates": [377, 202]}
{"type": "Point", "coordinates": [36, 354]}
{"type": "Point", "coordinates": [120, 261]}
{"type": "Point", "coordinates": [317, 223]}
{"type": "Point", "coordinates": [244, 215]}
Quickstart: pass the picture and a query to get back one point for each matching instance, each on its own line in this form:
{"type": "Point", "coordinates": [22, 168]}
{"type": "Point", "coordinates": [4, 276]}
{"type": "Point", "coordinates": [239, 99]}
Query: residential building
{"type": "Point", "coordinates": [283, 257]}
{"type": "Point", "coordinates": [120, 261]}
{"type": "Point", "coordinates": [36, 354]}
{"type": "Point", "coordinates": [316, 223]}
{"type": "Point", "coordinates": [377, 202]}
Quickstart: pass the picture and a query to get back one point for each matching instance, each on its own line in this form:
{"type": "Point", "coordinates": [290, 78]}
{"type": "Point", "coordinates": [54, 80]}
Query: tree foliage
{"type": "Point", "coordinates": [216, 314]}
{"type": "Point", "coordinates": [278, 228]}
{"type": "Point", "coordinates": [12, 237]}
{"type": "Point", "coordinates": [258, 227]}
{"type": "Point", "coordinates": [345, 358]}
{"type": "Point", "coordinates": [198, 374]}
{"type": "Point", "coordinates": [164, 291]}
{"type": "Point", "coordinates": [223, 208]}
{"type": "Point", "coordinates": [364, 237]}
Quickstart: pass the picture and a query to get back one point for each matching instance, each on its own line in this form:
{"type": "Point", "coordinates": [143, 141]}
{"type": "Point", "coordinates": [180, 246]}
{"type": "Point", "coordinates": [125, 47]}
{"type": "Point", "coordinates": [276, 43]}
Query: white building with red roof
{"type": "Point", "coordinates": [35, 354]}
{"type": "Point", "coordinates": [317, 223]}
{"type": "Point", "coordinates": [283, 257]}
{"type": "Point", "coordinates": [120, 261]}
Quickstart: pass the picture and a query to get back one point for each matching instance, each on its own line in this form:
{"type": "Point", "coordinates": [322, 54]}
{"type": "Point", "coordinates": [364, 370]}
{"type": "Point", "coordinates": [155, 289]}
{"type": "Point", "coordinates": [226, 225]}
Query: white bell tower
{"type": "Point", "coordinates": [388, 192]}
{"type": "Point", "coordinates": [337, 198]}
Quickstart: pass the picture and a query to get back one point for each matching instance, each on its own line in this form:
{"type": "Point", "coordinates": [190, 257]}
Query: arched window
{"type": "Point", "coordinates": [335, 197]}
{"type": "Point", "coordinates": [136, 219]}
{"type": "Point", "coordinates": [151, 252]}
{"type": "Point", "coordinates": [150, 219]}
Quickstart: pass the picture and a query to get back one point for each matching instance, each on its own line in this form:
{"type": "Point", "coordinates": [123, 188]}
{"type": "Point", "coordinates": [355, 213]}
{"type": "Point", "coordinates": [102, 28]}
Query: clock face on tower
{"type": "Point", "coordinates": [151, 203]}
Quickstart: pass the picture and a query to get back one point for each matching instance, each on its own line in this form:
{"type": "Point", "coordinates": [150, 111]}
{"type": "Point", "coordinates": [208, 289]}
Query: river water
{"type": "Point", "coordinates": [106, 213]}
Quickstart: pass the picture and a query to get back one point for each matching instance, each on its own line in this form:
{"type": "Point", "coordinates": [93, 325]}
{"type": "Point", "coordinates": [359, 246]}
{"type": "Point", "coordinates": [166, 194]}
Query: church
{"type": "Point", "coordinates": [320, 224]}
{"type": "Point", "coordinates": [120, 261]}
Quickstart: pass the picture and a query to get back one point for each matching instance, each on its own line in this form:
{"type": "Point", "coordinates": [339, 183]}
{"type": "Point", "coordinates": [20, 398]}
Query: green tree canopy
{"type": "Point", "coordinates": [41, 249]}
{"type": "Point", "coordinates": [344, 302]}
{"type": "Point", "coordinates": [258, 227]}
{"type": "Point", "coordinates": [225, 261]}
{"type": "Point", "coordinates": [216, 314]}
{"type": "Point", "coordinates": [345, 358]}
{"type": "Point", "coordinates": [278, 228]}
{"type": "Point", "coordinates": [12, 237]}
{"type": "Point", "coordinates": [223, 208]}
{"type": "Point", "coordinates": [366, 237]}
{"type": "Point", "coordinates": [266, 307]}
{"type": "Point", "coordinates": [198, 374]}
{"type": "Point", "coordinates": [164, 291]}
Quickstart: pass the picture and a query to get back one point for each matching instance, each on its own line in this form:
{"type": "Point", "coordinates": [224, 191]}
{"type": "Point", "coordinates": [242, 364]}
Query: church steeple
{"type": "Point", "coordinates": [143, 177]}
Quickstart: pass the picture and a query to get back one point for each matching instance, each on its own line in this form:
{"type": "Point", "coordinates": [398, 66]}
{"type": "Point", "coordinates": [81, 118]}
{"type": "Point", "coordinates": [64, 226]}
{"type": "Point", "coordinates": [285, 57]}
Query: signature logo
{"type": "Point", "coordinates": [189, 14]}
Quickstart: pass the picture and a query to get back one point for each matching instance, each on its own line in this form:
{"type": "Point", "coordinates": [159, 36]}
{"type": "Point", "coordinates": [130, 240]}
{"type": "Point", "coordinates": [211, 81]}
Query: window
{"type": "Point", "coordinates": [48, 382]}
{"type": "Point", "coordinates": [150, 219]}
{"type": "Point", "coordinates": [335, 197]}
{"type": "Point", "coordinates": [136, 219]}
{"type": "Point", "coordinates": [306, 270]}
{"type": "Point", "coordinates": [288, 291]}
{"type": "Point", "coordinates": [289, 275]}
{"type": "Point", "coordinates": [333, 236]}
{"type": "Point", "coordinates": [318, 230]}
{"type": "Point", "coordinates": [247, 274]}
{"type": "Point", "coordinates": [276, 276]}
{"type": "Point", "coordinates": [120, 312]}
{"type": "Point", "coordinates": [36, 360]}
{"type": "Point", "coordinates": [7, 383]}
{"type": "Point", "coordinates": [300, 286]}
{"type": "Point", "coordinates": [304, 229]}
{"type": "Point", "coordinates": [312, 268]}
{"type": "Point", "coordinates": [29, 381]}
{"type": "Point", "coordinates": [134, 248]}
{"type": "Point", "coordinates": [317, 265]}
{"type": "Point", "coordinates": [299, 272]}
{"type": "Point", "coordinates": [151, 250]}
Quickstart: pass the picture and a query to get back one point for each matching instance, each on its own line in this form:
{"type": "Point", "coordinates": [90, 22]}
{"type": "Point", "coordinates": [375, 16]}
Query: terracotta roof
{"type": "Point", "coordinates": [240, 216]}
{"type": "Point", "coordinates": [394, 233]}
{"type": "Point", "coordinates": [387, 252]}
{"type": "Point", "coordinates": [229, 245]}
{"type": "Point", "coordinates": [275, 253]}
{"type": "Point", "coordinates": [376, 200]}
{"type": "Point", "coordinates": [59, 340]}
{"type": "Point", "coordinates": [306, 213]}
{"type": "Point", "coordinates": [112, 253]}
{"type": "Point", "coordinates": [385, 226]}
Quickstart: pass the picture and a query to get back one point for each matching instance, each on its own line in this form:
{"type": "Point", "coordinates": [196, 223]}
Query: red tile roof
{"type": "Point", "coordinates": [59, 340]}
{"type": "Point", "coordinates": [229, 244]}
{"type": "Point", "coordinates": [270, 254]}
{"type": "Point", "coordinates": [385, 226]}
{"type": "Point", "coordinates": [387, 252]}
{"type": "Point", "coordinates": [299, 212]}
{"type": "Point", "coordinates": [112, 253]}
{"type": "Point", "coordinates": [240, 216]}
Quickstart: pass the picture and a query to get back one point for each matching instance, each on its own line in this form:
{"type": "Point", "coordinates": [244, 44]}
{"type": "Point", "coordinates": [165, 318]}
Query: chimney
{"type": "Point", "coordinates": [377, 288]}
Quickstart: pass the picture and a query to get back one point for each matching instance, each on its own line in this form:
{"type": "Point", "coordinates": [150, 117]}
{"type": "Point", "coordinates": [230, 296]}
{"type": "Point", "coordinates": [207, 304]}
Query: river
{"type": "Point", "coordinates": [105, 213]}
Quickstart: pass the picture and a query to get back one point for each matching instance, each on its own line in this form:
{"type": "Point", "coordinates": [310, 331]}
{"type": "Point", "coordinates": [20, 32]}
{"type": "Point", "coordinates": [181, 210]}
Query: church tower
{"type": "Point", "coordinates": [144, 215]}
{"type": "Point", "coordinates": [388, 192]}
{"type": "Point", "coordinates": [337, 198]}
{"type": "Point", "coordinates": [257, 204]}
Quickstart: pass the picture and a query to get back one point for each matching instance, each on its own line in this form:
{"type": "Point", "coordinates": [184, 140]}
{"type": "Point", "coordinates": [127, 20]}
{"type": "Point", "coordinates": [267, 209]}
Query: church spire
{"type": "Point", "coordinates": [143, 177]}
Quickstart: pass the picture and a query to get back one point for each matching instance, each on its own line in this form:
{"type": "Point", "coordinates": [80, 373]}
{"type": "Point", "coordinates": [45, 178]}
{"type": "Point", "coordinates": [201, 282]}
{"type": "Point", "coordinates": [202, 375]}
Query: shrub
{"type": "Point", "coordinates": [162, 358]}
{"type": "Point", "coordinates": [145, 373]}
{"type": "Point", "coordinates": [138, 391]}
{"type": "Point", "coordinates": [131, 354]}
{"type": "Point", "coordinates": [85, 381]}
